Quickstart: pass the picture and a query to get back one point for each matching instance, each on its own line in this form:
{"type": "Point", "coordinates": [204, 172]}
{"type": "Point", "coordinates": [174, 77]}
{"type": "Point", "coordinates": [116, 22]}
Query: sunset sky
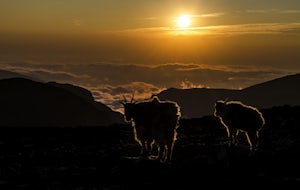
{"type": "Point", "coordinates": [113, 47]}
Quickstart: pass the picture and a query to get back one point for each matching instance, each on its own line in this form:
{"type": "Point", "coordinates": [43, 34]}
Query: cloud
{"type": "Point", "coordinates": [46, 72]}
{"type": "Point", "coordinates": [265, 28]}
{"type": "Point", "coordinates": [218, 30]}
{"type": "Point", "coordinates": [148, 18]}
{"type": "Point", "coordinates": [296, 11]}
{"type": "Point", "coordinates": [211, 15]}
{"type": "Point", "coordinates": [112, 95]}
{"type": "Point", "coordinates": [186, 84]}
{"type": "Point", "coordinates": [109, 82]}
{"type": "Point", "coordinates": [277, 11]}
{"type": "Point", "coordinates": [77, 22]}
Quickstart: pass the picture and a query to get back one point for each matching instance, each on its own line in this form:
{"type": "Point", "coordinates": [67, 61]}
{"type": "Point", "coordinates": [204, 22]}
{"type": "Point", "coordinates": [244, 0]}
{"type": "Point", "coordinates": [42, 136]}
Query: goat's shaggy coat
{"type": "Point", "coordinates": [156, 122]}
{"type": "Point", "coordinates": [237, 117]}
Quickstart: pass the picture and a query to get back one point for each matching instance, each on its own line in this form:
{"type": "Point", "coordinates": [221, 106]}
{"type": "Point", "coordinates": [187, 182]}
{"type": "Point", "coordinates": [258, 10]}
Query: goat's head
{"type": "Point", "coordinates": [129, 108]}
{"type": "Point", "coordinates": [219, 107]}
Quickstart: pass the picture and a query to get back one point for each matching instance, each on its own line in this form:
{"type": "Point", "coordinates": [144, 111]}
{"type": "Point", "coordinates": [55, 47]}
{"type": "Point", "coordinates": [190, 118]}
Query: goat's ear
{"type": "Point", "coordinates": [125, 101]}
{"type": "Point", "coordinates": [226, 100]}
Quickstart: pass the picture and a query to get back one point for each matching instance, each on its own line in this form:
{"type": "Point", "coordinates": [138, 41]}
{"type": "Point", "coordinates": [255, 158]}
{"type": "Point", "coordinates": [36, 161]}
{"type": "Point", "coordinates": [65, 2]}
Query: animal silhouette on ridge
{"type": "Point", "coordinates": [154, 122]}
{"type": "Point", "coordinates": [237, 117]}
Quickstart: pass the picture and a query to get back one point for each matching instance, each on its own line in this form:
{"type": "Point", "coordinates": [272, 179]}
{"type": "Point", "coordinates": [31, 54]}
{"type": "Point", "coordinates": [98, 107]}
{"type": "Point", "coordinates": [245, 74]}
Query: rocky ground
{"type": "Point", "coordinates": [107, 157]}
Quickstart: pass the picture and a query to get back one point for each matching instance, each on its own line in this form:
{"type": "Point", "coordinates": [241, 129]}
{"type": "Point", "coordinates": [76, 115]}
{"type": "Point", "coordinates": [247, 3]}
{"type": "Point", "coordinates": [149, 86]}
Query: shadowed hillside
{"type": "Point", "coordinates": [9, 74]}
{"type": "Point", "coordinates": [28, 103]}
{"type": "Point", "coordinates": [88, 97]}
{"type": "Point", "coordinates": [107, 157]}
{"type": "Point", "coordinates": [95, 152]}
{"type": "Point", "coordinates": [199, 102]}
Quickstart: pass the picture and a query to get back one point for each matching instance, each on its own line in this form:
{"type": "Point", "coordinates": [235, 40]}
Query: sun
{"type": "Point", "coordinates": [184, 21]}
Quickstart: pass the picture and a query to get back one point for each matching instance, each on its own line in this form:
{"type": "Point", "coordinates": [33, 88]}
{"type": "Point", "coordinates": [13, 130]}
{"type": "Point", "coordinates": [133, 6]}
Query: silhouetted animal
{"type": "Point", "coordinates": [154, 122]}
{"type": "Point", "coordinates": [237, 117]}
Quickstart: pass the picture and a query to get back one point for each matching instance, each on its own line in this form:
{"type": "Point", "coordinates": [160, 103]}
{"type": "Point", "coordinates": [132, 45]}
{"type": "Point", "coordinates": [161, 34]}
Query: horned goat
{"type": "Point", "coordinates": [238, 117]}
{"type": "Point", "coordinates": [154, 122]}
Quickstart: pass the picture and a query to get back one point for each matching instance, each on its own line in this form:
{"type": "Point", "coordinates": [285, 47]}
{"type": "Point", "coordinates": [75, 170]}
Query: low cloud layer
{"type": "Point", "coordinates": [109, 82]}
{"type": "Point", "coordinates": [220, 30]}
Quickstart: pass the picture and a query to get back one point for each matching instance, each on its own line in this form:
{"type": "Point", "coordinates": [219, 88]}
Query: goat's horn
{"type": "Point", "coordinates": [132, 97]}
{"type": "Point", "coordinates": [124, 98]}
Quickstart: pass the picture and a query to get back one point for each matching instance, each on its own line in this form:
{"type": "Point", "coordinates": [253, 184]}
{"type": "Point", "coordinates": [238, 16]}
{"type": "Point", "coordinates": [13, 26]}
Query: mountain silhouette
{"type": "Point", "coordinates": [88, 97]}
{"type": "Point", "coordinates": [24, 102]}
{"type": "Point", "coordinates": [198, 102]}
{"type": "Point", "coordinates": [9, 74]}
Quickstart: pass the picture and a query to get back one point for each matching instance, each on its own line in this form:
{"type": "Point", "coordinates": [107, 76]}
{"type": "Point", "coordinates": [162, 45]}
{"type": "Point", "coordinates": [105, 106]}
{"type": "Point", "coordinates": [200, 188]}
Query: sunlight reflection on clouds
{"type": "Point", "coordinates": [108, 82]}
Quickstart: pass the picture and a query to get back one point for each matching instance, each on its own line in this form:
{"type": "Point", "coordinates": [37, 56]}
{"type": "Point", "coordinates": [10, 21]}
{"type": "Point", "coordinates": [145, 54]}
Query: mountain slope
{"type": "Point", "coordinates": [199, 102]}
{"type": "Point", "coordinates": [9, 74]}
{"type": "Point", "coordinates": [277, 92]}
{"type": "Point", "coordinates": [29, 103]}
{"type": "Point", "coordinates": [85, 95]}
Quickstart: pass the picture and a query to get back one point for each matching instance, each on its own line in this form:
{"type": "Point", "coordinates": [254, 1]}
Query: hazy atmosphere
{"type": "Point", "coordinates": [149, 94]}
{"type": "Point", "coordinates": [115, 47]}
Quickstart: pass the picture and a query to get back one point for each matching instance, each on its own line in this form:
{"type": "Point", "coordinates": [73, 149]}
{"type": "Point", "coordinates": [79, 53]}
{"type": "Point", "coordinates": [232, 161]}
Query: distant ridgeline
{"type": "Point", "coordinates": [198, 102]}
{"type": "Point", "coordinates": [24, 102]}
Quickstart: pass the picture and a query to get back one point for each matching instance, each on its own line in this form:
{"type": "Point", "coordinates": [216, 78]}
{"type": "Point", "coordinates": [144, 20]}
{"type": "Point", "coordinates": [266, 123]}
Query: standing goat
{"type": "Point", "coordinates": [237, 117]}
{"type": "Point", "coordinates": [154, 122]}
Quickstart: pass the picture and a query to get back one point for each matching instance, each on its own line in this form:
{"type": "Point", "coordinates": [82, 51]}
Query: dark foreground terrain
{"type": "Point", "coordinates": [56, 158]}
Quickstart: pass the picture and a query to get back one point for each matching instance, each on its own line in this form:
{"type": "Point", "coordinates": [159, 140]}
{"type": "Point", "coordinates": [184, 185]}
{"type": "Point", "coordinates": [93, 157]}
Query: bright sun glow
{"type": "Point", "coordinates": [183, 21]}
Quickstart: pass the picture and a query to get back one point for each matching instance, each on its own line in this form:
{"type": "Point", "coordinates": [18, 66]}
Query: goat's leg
{"type": "Point", "coordinates": [161, 153]}
{"type": "Point", "coordinates": [169, 152]}
{"type": "Point", "coordinates": [252, 138]}
{"type": "Point", "coordinates": [144, 151]}
{"type": "Point", "coordinates": [228, 131]}
{"type": "Point", "coordinates": [257, 140]}
{"type": "Point", "coordinates": [230, 134]}
{"type": "Point", "coordinates": [149, 146]}
{"type": "Point", "coordinates": [234, 137]}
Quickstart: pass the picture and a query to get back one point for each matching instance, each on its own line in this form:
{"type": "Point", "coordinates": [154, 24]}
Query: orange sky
{"type": "Point", "coordinates": [228, 44]}
{"type": "Point", "coordinates": [221, 32]}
